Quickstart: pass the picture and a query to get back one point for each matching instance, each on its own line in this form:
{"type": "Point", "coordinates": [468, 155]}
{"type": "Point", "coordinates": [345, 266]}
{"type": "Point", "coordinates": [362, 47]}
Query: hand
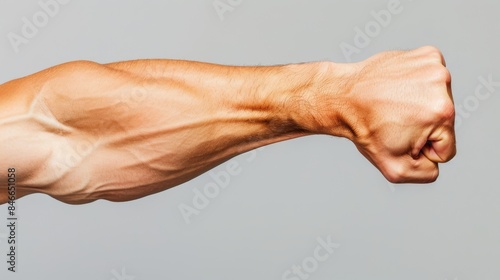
{"type": "Point", "coordinates": [401, 114]}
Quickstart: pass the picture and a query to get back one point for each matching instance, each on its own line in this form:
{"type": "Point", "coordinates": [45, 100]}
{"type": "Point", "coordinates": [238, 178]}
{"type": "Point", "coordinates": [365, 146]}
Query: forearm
{"type": "Point", "coordinates": [291, 95]}
{"type": "Point", "coordinates": [241, 106]}
{"type": "Point", "coordinates": [208, 113]}
{"type": "Point", "coordinates": [204, 114]}
{"type": "Point", "coordinates": [151, 125]}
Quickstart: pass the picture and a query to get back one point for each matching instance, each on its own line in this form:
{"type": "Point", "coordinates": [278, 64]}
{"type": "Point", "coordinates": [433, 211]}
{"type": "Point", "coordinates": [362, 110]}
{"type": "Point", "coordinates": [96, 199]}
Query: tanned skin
{"type": "Point", "coordinates": [84, 131]}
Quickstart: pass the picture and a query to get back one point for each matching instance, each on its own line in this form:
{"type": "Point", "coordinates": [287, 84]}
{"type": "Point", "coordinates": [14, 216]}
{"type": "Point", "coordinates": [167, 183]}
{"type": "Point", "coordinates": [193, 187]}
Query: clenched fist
{"type": "Point", "coordinates": [398, 109]}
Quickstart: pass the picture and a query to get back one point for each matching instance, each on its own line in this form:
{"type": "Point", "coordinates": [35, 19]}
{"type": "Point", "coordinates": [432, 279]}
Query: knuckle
{"type": "Point", "coordinates": [444, 109]}
{"type": "Point", "coordinates": [431, 51]}
{"type": "Point", "coordinates": [432, 55]}
{"type": "Point", "coordinates": [447, 111]}
{"type": "Point", "coordinates": [430, 48]}
{"type": "Point", "coordinates": [442, 74]}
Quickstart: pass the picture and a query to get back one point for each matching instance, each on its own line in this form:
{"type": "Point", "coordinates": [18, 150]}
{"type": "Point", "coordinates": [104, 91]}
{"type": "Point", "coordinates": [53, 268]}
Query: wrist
{"type": "Point", "coordinates": [322, 104]}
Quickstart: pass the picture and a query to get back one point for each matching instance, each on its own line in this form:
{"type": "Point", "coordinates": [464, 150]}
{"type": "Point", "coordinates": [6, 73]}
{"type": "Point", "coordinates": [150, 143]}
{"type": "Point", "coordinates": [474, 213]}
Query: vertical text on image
{"type": "Point", "coordinates": [12, 220]}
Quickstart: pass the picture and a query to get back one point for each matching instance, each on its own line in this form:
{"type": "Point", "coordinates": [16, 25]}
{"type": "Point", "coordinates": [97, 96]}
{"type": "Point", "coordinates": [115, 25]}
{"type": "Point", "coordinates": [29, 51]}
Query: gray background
{"type": "Point", "coordinates": [290, 193]}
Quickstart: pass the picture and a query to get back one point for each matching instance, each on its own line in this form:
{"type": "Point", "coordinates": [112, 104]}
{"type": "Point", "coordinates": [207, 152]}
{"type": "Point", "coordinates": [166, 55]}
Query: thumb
{"type": "Point", "coordinates": [441, 148]}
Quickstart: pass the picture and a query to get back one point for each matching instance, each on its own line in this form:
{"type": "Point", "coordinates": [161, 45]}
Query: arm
{"type": "Point", "coordinates": [84, 131]}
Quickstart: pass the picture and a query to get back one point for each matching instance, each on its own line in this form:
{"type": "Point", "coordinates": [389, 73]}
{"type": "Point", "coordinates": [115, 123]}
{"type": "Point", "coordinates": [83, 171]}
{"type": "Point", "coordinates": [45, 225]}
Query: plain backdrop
{"type": "Point", "coordinates": [289, 194]}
